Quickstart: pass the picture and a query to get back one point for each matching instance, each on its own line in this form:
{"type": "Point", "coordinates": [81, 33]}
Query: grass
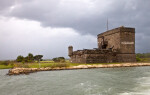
{"type": "Point", "coordinates": [44, 64]}
{"type": "Point", "coordinates": [144, 60]}
{"type": "Point", "coordinates": [52, 64]}
{"type": "Point", "coordinates": [5, 67]}
{"type": "Point", "coordinates": [35, 65]}
{"type": "Point", "coordinates": [46, 61]}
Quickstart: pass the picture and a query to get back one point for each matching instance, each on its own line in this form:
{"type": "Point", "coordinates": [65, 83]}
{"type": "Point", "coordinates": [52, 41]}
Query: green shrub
{"type": "Point", "coordinates": [20, 58]}
{"type": "Point", "coordinates": [59, 59]}
{"type": "Point", "coordinates": [55, 59]}
{"type": "Point", "coordinates": [138, 59]}
{"type": "Point", "coordinates": [38, 58]}
{"type": "Point", "coordinates": [23, 62]}
{"type": "Point", "coordinates": [20, 65]}
{"type": "Point", "coordinates": [4, 63]}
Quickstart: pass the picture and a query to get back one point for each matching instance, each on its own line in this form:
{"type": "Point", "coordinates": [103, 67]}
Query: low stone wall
{"type": "Point", "coordinates": [17, 71]}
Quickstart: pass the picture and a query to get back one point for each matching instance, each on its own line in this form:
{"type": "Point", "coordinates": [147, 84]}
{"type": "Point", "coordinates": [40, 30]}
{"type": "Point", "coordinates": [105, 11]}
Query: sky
{"type": "Point", "coordinates": [48, 27]}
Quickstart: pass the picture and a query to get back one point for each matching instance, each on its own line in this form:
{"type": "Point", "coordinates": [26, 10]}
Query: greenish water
{"type": "Point", "coordinates": [102, 81]}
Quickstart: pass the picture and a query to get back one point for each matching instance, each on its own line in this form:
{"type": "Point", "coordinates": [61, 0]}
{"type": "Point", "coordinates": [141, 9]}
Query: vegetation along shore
{"type": "Point", "coordinates": [29, 64]}
{"type": "Point", "coordinates": [17, 71]}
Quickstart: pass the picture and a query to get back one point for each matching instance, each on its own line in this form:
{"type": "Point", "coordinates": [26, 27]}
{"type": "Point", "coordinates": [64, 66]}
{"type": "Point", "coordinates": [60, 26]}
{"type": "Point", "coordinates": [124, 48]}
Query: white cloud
{"type": "Point", "coordinates": [19, 37]}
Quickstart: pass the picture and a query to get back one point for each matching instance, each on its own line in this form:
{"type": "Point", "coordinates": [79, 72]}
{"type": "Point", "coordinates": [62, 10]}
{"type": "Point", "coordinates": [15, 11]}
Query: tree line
{"type": "Point", "coordinates": [59, 59]}
{"type": "Point", "coordinates": [29, 58]}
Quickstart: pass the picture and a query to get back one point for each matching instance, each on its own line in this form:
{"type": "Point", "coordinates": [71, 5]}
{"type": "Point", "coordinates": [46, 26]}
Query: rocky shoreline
{"type": "Point", "coordinates": [18, 71]}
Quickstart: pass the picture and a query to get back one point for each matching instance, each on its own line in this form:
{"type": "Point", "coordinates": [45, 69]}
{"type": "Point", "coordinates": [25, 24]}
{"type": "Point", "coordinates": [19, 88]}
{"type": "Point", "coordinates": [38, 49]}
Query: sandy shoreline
{"type": "Point", "coordinates": [17, 71]}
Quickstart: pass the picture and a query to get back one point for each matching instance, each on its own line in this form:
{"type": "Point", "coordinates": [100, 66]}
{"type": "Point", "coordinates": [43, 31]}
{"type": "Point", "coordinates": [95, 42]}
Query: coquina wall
{"type": "Point", "coordinates": [116, 45]}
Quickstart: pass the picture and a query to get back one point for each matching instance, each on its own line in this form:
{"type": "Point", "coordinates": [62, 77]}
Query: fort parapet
{"type": "Point", "coordinates": [116, 45]}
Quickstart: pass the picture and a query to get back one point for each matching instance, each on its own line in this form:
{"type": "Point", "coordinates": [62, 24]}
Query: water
{"type": "Point", "coordinates": [102, 81]}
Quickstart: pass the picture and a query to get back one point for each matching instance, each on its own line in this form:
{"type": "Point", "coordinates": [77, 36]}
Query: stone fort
{"type": "Point", "coordinates": [116, 45]}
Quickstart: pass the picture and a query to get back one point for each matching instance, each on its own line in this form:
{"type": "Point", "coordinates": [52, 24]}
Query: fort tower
{"type": "Point", "coordinates": [116, 45]}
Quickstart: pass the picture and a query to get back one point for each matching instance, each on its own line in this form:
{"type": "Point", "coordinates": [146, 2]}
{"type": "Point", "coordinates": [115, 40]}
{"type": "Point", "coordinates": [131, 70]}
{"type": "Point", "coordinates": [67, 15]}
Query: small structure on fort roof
{"type": "Point", "coordinates": [116, 45]}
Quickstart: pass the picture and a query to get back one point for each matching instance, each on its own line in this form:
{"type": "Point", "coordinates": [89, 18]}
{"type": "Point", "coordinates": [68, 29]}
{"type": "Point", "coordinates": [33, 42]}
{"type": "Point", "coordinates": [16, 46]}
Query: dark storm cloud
{"type": "Point", "coordinates": [86, 16]}
{"type": "Point", "coordinates": [62, 13]}
{"type": "Point", "coordinates": [4, 5]}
